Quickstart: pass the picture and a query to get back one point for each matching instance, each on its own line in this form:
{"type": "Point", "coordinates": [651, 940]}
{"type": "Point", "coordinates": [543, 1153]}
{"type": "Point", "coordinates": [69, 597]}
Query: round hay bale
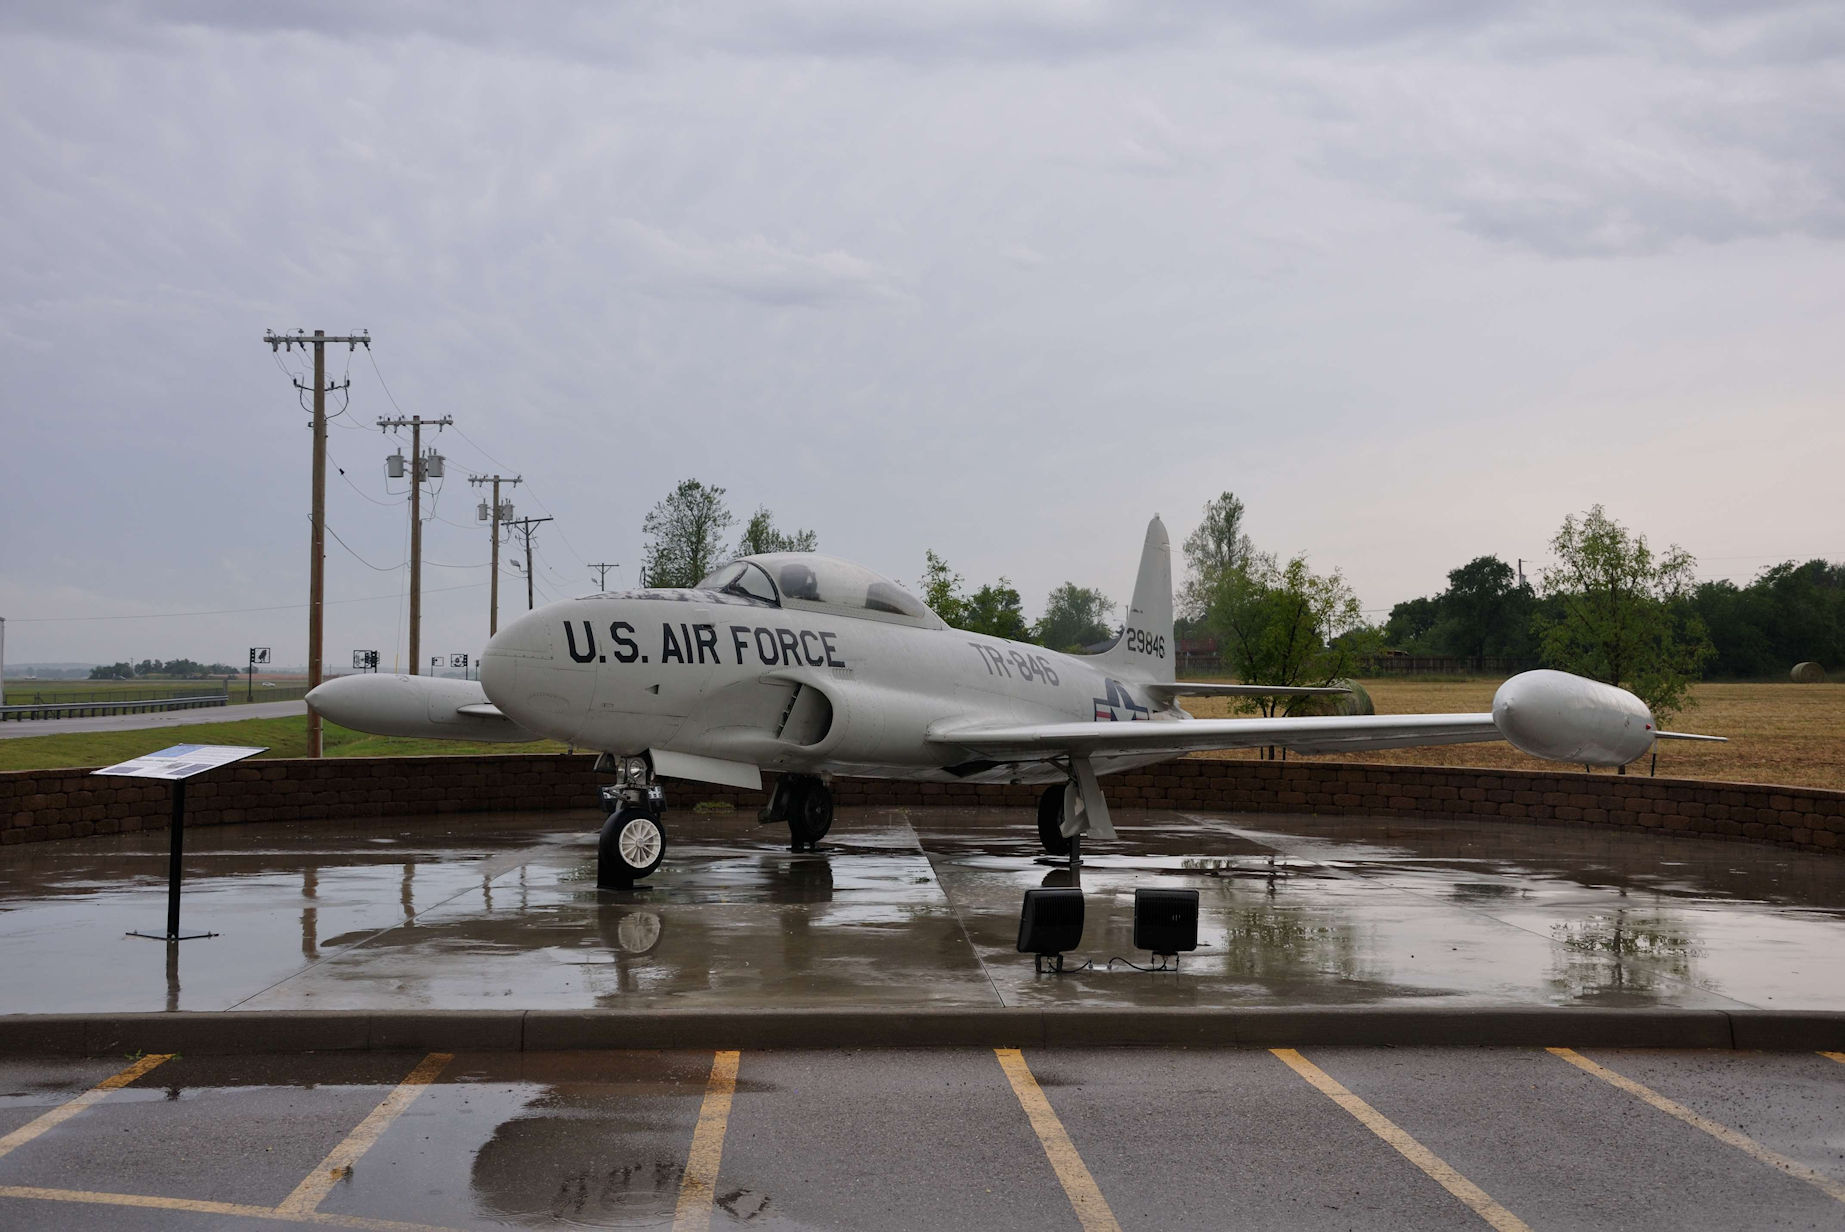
{"type": "Point", "coordinates": [1808, 673]}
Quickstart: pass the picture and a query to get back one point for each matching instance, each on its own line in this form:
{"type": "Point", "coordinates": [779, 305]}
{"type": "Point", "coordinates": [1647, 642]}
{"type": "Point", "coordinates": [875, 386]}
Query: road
{"type": "Point", "coordinates": [155, 721]}
{"type": "Point", "coordinates": [1145, 1138]}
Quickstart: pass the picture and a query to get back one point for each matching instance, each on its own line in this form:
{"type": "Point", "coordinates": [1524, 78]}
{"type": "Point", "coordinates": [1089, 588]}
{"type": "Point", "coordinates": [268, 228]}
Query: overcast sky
{"type": "Point", "coordinates": [1414, 279]}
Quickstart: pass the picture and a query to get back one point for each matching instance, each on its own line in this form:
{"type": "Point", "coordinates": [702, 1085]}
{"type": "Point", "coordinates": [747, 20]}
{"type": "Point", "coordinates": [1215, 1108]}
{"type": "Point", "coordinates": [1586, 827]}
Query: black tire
{"type": "Point", "coordinates": [810, 815]}
{"type": "Point", "coordinates": [1050, 821]}
{"type": "Point", "coordinates": [632, 845]}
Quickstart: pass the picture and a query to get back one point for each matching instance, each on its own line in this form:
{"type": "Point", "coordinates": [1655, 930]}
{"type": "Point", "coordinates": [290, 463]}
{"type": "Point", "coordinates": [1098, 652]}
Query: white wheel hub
{"type": "Point", "coordinates": [639, 842]}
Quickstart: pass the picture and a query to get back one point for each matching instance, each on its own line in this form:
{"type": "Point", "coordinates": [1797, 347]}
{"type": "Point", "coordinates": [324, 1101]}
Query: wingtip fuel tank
{"type": "Point", "coordinates": [421, 707]}
{"type": "Point", "coordinates": [1566, 718]}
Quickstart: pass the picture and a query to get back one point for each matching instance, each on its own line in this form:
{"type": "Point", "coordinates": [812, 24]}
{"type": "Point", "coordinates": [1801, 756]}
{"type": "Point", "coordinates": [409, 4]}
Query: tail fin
{"type": "Point", "coordinates": [1146, 650]}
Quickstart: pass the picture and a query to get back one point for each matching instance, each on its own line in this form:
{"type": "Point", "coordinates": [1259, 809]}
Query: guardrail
{"type": "Point", "coordinates": [77, 710]}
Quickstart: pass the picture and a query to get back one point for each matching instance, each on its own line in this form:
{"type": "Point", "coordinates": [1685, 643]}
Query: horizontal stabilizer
{"type": "Point", "coordinates": [484, 709]}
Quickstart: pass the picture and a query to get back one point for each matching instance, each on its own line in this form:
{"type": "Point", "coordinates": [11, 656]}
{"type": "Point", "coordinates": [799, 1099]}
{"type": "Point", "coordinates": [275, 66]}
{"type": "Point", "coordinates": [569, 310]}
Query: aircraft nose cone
{"type": "Point", "coordinates": [526, 674]}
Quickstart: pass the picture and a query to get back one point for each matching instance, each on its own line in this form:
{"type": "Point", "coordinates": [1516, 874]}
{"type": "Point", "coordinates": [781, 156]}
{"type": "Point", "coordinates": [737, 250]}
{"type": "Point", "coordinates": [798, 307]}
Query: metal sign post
{"type": "Point", "coordinates": [176, 765]}
{"type": "Point", "coordinates": [258, 654]}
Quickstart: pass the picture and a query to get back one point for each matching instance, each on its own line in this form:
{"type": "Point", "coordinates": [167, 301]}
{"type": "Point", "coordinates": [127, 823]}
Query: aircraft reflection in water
{"type": "Point", "coordinates": [816, 668]}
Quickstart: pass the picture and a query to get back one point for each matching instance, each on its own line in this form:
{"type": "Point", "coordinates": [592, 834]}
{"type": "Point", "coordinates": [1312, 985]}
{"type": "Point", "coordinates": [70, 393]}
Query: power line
{"type": "Point", "coordinates": [227, 611]}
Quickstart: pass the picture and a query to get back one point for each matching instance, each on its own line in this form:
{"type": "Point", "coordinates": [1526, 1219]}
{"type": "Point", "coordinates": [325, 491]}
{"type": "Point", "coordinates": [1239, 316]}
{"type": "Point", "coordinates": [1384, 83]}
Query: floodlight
{"type": "Point", "coordinates": [1166, 922]}
{"type": "Point", "coordinates": [1050, 922]}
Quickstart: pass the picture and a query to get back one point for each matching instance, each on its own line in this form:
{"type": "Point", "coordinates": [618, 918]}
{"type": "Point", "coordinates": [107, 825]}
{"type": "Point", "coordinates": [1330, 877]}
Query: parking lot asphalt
{"type": "Point", "coordinates": [920, 1139]}
{"type": "Point", "coordinates": [917, 909]}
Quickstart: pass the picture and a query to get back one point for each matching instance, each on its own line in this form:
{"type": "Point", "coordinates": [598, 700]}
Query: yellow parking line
{"type": "Point", "coordinates": [1722, 1133]}
{"type": "Point", "coordinates": [698, 1188]}
{"type": "Point", "coordinates": [194, 1205]}
{"type": "Point", "coordinates": [1438, 1170]}
{"type": "Point", "coordinates": [64, 1112]}
{"type": "Point", "coordinates": [338, 1165]}
{"type": "Point", "coordinates": [1084, 1194]}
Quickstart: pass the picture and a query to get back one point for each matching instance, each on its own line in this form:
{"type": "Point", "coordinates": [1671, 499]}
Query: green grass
{"type": "Point", "coordinates": [283, 738]}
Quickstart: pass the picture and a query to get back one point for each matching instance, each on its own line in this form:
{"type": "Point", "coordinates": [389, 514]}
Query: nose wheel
{"type": "Point", "coordinates": [632, 845]}
{"type": "Point", "coordinates": [633, 840]}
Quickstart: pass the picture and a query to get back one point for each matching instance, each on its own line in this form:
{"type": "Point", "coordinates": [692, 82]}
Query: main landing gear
{"type": "Point", "coordinates": [806, 804]}
{"type": "Point", "coordinates": [1050, 827]}
{"type": "Point", "coordinates": [633, 838]}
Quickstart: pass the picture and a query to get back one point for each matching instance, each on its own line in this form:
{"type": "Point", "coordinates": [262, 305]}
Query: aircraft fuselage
{"type": "Point", "coordinates": [713, 675]}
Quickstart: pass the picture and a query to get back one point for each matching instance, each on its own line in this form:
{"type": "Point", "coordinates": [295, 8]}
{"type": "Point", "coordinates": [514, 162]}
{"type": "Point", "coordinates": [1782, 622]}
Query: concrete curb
{"type": "Point", "coordinates": [251, 1032]}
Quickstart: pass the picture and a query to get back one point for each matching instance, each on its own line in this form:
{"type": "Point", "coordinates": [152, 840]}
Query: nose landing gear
{"type": "Point", "coordinates": [806, 804]}
{"type": "Point", "coordinates": [633, 840]}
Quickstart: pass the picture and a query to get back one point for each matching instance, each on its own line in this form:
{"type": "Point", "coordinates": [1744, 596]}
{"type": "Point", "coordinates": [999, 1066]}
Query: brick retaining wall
{"type": "Point", "coordinates": [37, 805]}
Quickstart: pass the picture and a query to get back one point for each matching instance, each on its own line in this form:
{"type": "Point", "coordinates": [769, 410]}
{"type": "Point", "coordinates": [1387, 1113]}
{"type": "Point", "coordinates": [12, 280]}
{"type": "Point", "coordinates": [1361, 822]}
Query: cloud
{"type": "Point", "coordinates": [753, 269]}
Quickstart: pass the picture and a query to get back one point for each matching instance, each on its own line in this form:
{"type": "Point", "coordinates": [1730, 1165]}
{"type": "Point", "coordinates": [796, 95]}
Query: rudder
{"type": "Point", "coordinates": [1146, 650]}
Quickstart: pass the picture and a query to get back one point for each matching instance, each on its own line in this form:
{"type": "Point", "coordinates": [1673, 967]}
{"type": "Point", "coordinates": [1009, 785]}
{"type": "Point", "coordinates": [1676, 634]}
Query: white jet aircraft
{"type": "Point", "coordinates": [815, 668]}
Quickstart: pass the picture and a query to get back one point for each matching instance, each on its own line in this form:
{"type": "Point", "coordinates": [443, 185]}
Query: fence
{"type": "Point", "coordinates": [90, 709]}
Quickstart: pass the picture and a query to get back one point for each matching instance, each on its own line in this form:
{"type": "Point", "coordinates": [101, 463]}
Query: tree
{"type": "Point", "coordinates": [941, 589]}
{"type": "Point", "coordinates": [685, 535]}
{"type": "Point", "coordinates": [760, 535]}
{"type": "Point", "coordinates": [1216, 547]}
{"type": "Point", "coordinates": [1279, 625]}
{"type": "Point", "coordinates": [1075, 617]}
{"type": "Point", "coordinates": [1622, 614]}
{"type": "Point", "coordinates": [1484, 611]}
{"type": "Point", "coordinates": [996, 611]}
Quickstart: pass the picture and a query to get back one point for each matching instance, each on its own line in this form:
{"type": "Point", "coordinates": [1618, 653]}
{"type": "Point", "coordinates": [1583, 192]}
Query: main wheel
{"type": "Point", "coordinates": [810, 815]}
{"type": "Point", "coordinates": [1050, 821]}
{"type": "Point", "coordinates": [632, 845]}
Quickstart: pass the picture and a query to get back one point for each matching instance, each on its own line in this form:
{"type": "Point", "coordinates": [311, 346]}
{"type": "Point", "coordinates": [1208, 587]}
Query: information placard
{"type": "Point", "coordinates": [181, 761]}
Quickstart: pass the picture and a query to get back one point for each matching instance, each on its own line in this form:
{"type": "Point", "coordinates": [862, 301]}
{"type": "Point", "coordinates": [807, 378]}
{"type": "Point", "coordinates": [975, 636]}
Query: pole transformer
{"type": "Point", "coordinates": [494, 516]}
{"type": "Point", "coordinates": [421, 469]}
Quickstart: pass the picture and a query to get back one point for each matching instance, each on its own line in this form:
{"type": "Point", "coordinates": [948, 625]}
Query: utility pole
{"type": "Point", "coordinates": [317, 558]}
{"type": "Point", "coordinates": [525, 526]}
{"type": "Point", "coordinates": [2, 660]}
{"type": "Point", "coordinates": [498, 514]}
{"type": "Point", "coordinates": [602, 575]}
{"type": "Point", "coordinates": [421, 468]}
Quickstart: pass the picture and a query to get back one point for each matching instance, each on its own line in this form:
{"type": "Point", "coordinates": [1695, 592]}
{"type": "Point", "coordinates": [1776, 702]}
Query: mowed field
{"type": "Point", "coordinates": [1779, 733]}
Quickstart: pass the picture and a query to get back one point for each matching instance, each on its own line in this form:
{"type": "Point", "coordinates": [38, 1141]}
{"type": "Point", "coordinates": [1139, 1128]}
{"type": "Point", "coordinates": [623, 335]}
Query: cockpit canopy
{"type": "Point", "coordinates": [820, 583]}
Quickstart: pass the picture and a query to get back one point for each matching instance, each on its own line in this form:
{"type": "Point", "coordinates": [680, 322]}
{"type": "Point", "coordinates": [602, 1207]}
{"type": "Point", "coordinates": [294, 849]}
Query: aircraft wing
{"type": "Point", "coordinates": [1333, 734]}
{"type": "Point", "coordinates": [1187, 688]}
